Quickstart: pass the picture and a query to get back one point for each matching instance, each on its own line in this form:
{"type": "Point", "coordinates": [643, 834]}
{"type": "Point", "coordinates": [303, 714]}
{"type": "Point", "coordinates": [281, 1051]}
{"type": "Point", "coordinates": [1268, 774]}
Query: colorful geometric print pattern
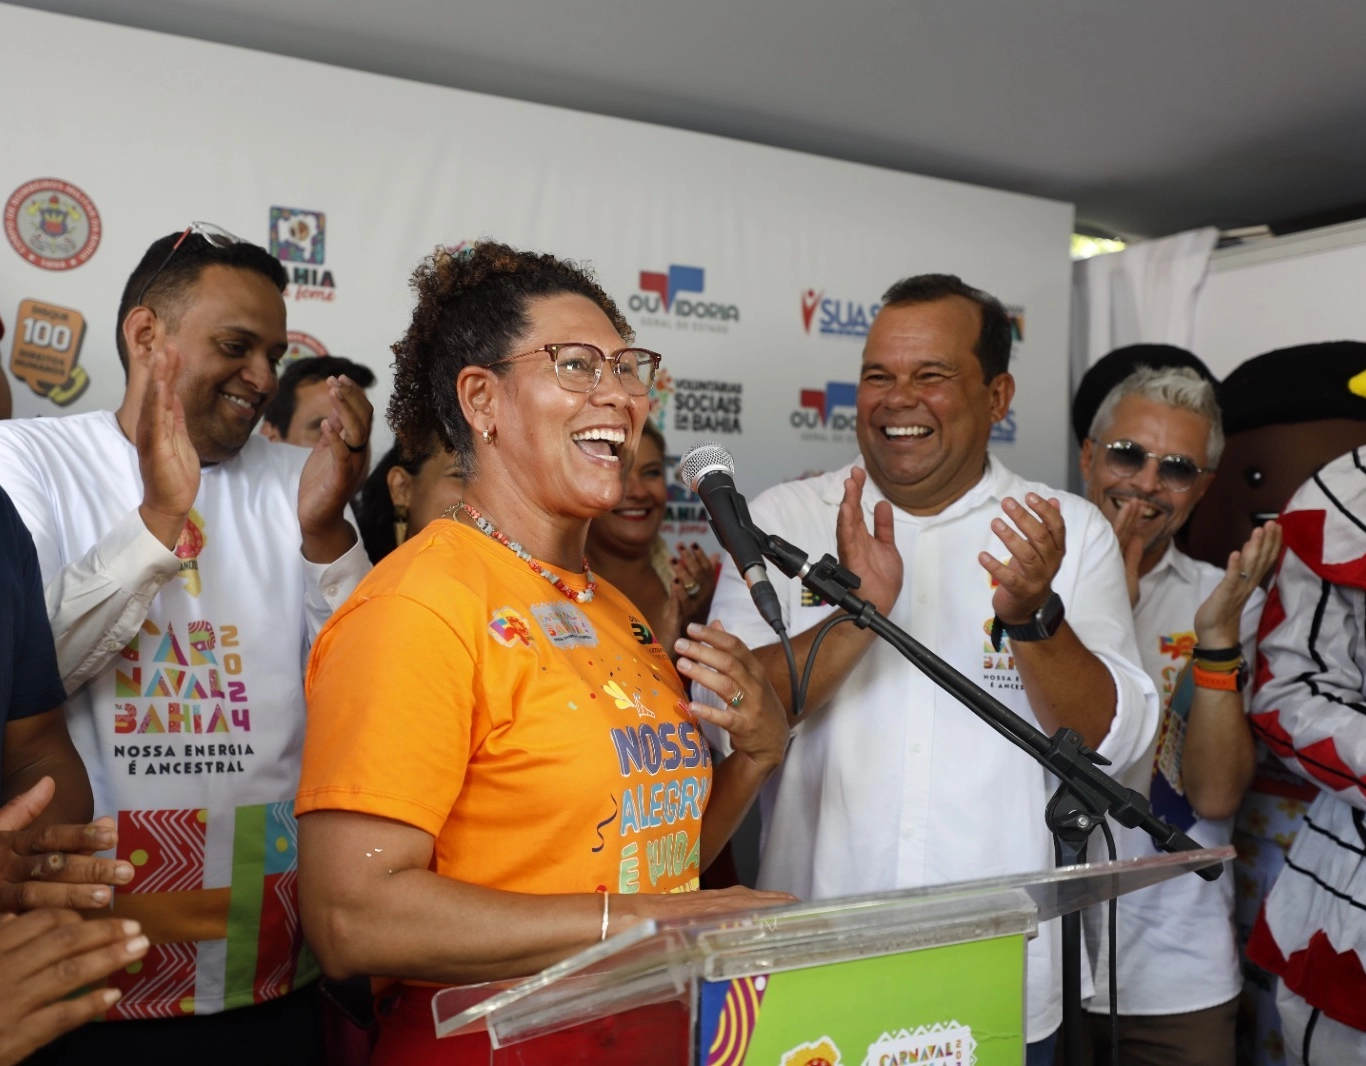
{"type": "Point", "coordinates": [166, 849]}
{"type": "Point", "coordinates": [253, 921]}
{"type": "Point", "coordinates": [160, 985]}
{"type": "Point", "coordinates": [277, 956]}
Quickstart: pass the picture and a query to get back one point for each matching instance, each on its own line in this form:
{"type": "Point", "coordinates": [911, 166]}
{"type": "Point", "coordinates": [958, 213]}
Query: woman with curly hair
{"type": "Point", "coordinates": [498, 770]}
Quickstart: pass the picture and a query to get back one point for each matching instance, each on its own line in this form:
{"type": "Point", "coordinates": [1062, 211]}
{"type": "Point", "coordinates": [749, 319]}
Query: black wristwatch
{"type": "Point", "coordinates": [1041, 626]}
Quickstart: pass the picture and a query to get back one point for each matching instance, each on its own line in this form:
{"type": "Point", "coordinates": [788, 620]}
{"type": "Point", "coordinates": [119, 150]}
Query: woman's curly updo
{"type": "Point", "coordinates": [471, 308]}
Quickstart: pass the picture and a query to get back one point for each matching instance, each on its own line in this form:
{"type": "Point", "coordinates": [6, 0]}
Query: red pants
{"type": "Point", "coordinates": [657, 1034]}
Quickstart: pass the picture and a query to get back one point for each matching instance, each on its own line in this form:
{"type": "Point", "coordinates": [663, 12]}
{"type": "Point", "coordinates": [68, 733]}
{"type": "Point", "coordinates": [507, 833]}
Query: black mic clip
{"type": "Point", "coordinates": [826, 577]}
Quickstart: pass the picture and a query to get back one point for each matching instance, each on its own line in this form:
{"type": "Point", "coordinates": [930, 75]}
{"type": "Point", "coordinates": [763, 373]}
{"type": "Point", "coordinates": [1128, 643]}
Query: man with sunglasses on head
{"type": "Point", "coordinates": [187, 566]}
{"type": "Point", "coordinates": [1151, 444]}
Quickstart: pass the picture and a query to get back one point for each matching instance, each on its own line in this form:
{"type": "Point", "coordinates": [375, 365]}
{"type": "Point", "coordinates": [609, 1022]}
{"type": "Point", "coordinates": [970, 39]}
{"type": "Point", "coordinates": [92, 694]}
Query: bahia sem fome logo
{"type": "Point", "coordinates": [837, 318]}
{"type": "Point", "coordinates": [298, 238]}
{"type": "Point", "coordinates": [664, 298]}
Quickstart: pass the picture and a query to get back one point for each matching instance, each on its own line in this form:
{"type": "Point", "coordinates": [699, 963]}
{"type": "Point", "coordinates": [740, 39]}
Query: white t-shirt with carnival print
{"type": "Point", "coordinates": [185, 679]}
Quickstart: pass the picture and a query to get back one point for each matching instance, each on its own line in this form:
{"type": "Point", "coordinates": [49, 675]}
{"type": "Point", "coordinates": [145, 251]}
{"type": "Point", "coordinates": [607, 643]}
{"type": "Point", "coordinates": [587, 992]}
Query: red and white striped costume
{"type": "Point", "coordinates": [1310, 708]}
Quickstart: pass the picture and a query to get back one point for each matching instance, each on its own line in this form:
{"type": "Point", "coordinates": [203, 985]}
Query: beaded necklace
{"type": "Point", "coordinates": [493, 533]}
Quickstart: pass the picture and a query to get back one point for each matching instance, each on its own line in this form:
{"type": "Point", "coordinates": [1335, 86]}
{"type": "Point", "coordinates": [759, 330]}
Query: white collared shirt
{"type": "Point", "coordinates": [895, 784]}
{"type": "Point", "coordinates": [1175, 941]}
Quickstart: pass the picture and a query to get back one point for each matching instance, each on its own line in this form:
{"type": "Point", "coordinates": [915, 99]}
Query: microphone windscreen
{"type": "Point", "coordinates": [702, 459]}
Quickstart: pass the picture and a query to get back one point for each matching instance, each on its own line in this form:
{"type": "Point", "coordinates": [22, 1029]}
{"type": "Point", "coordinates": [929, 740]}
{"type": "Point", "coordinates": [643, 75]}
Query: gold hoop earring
{"type": "Point", "coordinates": [400, 525]}
{"type": "Point", "coordinates": [488, 437]}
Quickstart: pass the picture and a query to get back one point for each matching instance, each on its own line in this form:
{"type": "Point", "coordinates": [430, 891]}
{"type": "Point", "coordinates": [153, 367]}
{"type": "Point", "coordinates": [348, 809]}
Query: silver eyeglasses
{"type": "Point", "coordinates": [215, 235]}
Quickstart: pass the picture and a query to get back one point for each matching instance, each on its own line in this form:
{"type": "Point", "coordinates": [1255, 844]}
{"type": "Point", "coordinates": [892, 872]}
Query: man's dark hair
{"type": "Point", "coordinates": [993, 342]}
{"type": "Point", "coordinates": [280, 411]}
{"type": "Point", "coordinates": [169, 289]}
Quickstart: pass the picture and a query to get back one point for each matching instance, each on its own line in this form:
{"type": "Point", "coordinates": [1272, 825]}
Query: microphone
{"type": "Point", "coordinates": [709, 471]}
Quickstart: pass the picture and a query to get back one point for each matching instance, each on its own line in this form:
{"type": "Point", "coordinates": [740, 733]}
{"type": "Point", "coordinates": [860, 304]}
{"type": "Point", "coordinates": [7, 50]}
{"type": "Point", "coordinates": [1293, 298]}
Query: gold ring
{"type": "Point", "coordinates": [692, 588]}
{"type": "Point", "coordinates": [739, 695]}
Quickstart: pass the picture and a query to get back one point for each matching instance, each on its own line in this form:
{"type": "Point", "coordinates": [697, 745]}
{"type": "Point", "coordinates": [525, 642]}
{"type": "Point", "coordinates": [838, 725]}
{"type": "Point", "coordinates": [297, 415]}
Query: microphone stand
{"type": "Point", "coordinates": [1085, 792]}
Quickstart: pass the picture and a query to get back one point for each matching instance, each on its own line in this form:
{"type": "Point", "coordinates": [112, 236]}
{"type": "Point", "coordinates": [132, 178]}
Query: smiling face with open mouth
{"type": "Point", "coordinates": [567, 452]}
{"type": "Point", "coordinates": [230, 335]}
{"type": "Point", "coordinates": [925, 411]}
{"type": "Point", "coordinates": [1161, 430]}
{"type": "Point", "coordinates": [630, 528]}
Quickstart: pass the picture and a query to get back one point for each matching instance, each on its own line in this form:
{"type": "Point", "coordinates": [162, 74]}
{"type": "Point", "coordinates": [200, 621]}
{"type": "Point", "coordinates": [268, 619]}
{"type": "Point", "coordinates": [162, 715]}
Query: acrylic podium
{"type": "Point", "coordinates": [930, 975]}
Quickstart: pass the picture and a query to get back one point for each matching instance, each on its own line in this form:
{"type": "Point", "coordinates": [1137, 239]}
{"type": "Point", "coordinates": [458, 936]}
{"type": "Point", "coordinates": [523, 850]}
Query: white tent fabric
{"type": "Point", "coordinates": [1145, 294]}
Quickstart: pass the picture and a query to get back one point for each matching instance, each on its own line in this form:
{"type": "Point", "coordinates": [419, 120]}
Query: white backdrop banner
{"type": "Point", "coordinates": [754, 270]}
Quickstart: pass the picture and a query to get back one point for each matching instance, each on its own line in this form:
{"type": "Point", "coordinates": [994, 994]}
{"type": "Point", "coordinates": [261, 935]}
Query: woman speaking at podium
{"type": "Point", "coordinates": [499, 770]}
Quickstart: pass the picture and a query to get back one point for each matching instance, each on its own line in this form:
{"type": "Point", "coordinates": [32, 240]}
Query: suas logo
{"type": "Point", "coordinates": [298, 238]}
{"type": "Point", "coordinates": [829, 408]}
{"type": "Point", "coordinates": [838, 318]}
{"type": "Point", "coordinates": [661, 299]}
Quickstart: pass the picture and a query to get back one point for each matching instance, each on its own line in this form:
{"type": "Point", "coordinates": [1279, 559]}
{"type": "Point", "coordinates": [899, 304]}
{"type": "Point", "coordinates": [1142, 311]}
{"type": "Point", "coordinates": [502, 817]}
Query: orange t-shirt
{"type": "Point", "coordinates": [545, 744]}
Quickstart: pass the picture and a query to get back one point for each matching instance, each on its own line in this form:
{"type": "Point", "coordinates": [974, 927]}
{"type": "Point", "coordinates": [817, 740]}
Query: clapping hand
{"type": "Point", "coordinates": [1218, 621]}
{"type": "Point", "coordinates": [690, 595]}
{"type": "Point", "coordinates": [1036, 541]}
{"type": "Point", "coordinates": [167, 460]}
{"type": "Point", "coordinates": [873, 556]}
{"type": "Point", "coordinates": [334, 471]}
{"type": "Point", "coordinates": [1130, 543]}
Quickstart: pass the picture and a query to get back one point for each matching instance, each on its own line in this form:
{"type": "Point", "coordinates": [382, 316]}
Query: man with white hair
{"type": "Point", "coordinates": [1149, 456]}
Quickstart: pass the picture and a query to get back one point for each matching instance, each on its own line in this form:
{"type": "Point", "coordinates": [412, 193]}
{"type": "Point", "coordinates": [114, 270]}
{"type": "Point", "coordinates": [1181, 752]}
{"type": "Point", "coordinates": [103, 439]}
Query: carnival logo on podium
{"type": "Point", "coordinates": [838, 318]}
{"type": "Point", "coordinates": [52, 224]}
{"type": "Point", "coordinates": [827, 415]}
{"type": "Point", "coordinates": [940, 1044]}
{"type": "Point", "coordinates": [822, 1052]}
{"type": "Point", "coordinates": [662, 301]}
{"type": "Point", "coordinates": [298, 238]}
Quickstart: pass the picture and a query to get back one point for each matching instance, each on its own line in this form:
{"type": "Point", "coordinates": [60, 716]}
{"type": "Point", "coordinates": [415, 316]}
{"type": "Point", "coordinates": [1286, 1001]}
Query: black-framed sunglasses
{"type": "Point", "coordinates": [578, 366]}
{"type": "Point", "coordinates": [1175, 473]}
{"type": "Point", "coordinates": [215, 235]}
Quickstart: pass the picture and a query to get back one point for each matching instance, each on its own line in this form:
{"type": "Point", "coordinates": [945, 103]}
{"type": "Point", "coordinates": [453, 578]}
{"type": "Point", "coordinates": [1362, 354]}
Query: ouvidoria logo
{"type": "Point", "coordinates": [666, 300]}
{"type": "Point", "coordinates": [940, 1044]}
{"type": "Point", "coordinates": [825, 411]}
